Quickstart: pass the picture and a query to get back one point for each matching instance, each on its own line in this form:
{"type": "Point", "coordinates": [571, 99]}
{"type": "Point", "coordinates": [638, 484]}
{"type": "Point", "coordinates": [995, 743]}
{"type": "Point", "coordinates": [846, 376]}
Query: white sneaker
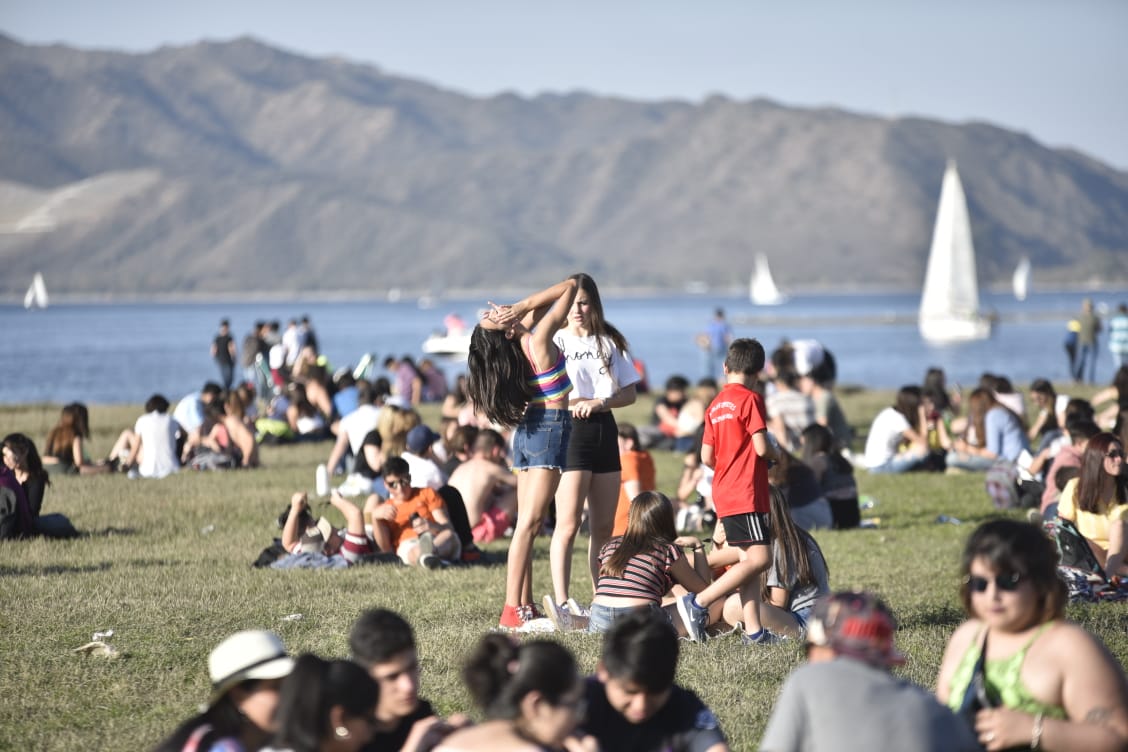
{"type": "Point", "coordinates": [580, 615]}
{"type": "Point", "coordinates": [559, 615]}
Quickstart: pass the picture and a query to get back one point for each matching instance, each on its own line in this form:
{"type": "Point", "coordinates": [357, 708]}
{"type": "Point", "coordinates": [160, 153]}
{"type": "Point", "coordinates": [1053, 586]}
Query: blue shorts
{"type": "Point", "coordinates": [602, 617]}
{"type": "Point", "coordinates": [541, 439]}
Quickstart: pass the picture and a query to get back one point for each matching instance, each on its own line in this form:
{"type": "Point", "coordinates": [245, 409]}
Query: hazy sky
{"type": "Point", "coordinates": [1057, 70]}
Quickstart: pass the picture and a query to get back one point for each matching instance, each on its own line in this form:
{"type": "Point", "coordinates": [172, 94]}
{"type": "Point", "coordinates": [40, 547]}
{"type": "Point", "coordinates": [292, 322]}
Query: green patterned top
{"type": "Point", "coordinates": [1003, 680]}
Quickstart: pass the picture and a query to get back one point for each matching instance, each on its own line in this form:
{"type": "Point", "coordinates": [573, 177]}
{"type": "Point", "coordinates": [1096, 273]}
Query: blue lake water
{"type": "Point", "coordinates": [122, 353]}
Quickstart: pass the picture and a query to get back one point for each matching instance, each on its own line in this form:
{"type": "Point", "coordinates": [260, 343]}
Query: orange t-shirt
{"type": "Point", "coordinates": [423, 502]}
{"type": "Point", "coordinates": [636, 466]}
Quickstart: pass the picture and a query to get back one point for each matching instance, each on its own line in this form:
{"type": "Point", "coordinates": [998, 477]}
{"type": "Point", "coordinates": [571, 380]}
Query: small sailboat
{"type": "Point", "coordinates": [36, 296]}
{"type": "Point", "coordinates": [762, 288]}
{"type": "Point", "coordinates": [949, 304]}
{"type": "Point", "coordinates": [1021, 280]}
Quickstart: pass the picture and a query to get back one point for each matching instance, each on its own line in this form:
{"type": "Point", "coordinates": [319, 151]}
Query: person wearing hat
{"type": "Point", "coordinates": [246, 671]}
{"type": "Point", "coordinates": [845, 697]}
{"type": "Point", "coordinates": [425, 471]}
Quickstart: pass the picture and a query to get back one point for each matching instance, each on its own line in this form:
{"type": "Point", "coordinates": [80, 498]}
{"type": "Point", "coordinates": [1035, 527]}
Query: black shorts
{"type": "Point", "coordinates": [594, 444]}
{"type": "Point", "coordinates": [751, 529]}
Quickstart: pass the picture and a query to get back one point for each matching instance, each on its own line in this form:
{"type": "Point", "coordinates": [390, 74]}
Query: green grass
{"type": "Point", "coordinates": [171, 591]}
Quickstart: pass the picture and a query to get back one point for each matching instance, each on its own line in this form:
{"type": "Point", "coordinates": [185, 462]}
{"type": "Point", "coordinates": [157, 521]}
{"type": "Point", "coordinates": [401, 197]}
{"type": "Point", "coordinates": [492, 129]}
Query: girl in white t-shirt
{"type": "Point", "coordinates": [897, 439]}
{"type": "Point", "coordinates": [602, 377]}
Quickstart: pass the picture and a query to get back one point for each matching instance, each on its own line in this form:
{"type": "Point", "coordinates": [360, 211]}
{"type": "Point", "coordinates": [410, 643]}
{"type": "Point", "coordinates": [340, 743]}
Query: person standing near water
{"type": "Point", "coordinates": [714, 342]}
{"type": "Point", "coordinates": [1087, 337]}
{"type": "Point", "coordinates": [223, 353]}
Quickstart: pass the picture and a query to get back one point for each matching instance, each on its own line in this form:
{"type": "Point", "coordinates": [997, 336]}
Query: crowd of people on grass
{"type": "Point", "coordinates": [530, 433]}
{"type": "Point", "coordinates": [1015, 675]}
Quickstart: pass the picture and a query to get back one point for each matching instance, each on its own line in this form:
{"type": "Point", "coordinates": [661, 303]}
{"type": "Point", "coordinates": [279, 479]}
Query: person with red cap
{"type": "Point", "coordinates": [845, 698]}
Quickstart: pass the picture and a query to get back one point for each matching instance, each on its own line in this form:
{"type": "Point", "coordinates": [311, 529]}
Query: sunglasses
{"type": "Point", "coordinates": [396, 484]}
{"type": "Point", "coordinates": [1005, 582]}
{"type": "Point", "coordinates": [1115, 454]}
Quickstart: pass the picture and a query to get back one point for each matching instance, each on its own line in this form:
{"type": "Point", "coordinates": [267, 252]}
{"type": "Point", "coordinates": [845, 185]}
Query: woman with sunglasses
{"type": "Point", "coordinates": [531, 695]}
{"type": "Point", "coordinates": [1097, 501]}
{"type": "Point", "coordinates": [1049, 684]}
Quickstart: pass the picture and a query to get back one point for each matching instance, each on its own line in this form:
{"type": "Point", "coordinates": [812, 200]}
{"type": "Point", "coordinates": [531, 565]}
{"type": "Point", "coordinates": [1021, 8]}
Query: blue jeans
{"type": "Point", "coordinates": [541, 439]}
{"type": "Point", "coordinates": [968, 461]}
{"type": "Point", "coordinates": [602, 617]}
{"type": "Point", "coordinates": [901, 463]}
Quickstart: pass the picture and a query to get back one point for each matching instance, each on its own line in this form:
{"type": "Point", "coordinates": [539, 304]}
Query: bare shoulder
{"type": "Point", "coordinates": [963, 638]}
{"type": "Point", "coordinates": [1072, 645]}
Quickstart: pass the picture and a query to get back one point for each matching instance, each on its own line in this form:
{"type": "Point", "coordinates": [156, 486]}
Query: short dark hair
{"type": "Point", "coordinates": [1013, 547]}
{"type": "Point", "coordinates": [397, 467]}
{"type": "Point", "coordinates": [628, 431]}
{"type": "Point", "coordinates": [156, 404]}
{"type": "Point", "coordinates": [380, 635]}
{"type": "Point", "coordinates": [642, 648]}
{"type": "Point", "coordinates": [211, 389]}
{"type": "Point", "coordinates": [746, 356]}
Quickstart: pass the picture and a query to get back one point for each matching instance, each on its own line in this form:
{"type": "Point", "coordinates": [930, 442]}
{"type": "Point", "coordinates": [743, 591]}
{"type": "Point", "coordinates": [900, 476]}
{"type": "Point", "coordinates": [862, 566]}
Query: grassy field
{"type": "Point", "coordinates": [166, 565]}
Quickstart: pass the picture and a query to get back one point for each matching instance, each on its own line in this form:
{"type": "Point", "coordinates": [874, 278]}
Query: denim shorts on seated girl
{"type": "Point", "coordinates": [602, 617]}
{"type": "Point", "coordinates": [541, 439]}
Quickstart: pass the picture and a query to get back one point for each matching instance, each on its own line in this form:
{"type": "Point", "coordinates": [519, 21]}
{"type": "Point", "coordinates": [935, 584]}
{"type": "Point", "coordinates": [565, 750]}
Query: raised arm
{"type": "Point", "coordinates": [291, 535]}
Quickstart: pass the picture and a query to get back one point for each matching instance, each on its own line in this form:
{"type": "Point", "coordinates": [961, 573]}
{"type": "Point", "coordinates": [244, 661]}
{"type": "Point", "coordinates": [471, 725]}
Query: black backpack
{"type": "Point", "coordinates": [1073, 546]}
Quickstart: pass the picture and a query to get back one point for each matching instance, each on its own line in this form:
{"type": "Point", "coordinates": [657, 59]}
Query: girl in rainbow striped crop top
{"type": "Point", "coordinates": [517, 377]}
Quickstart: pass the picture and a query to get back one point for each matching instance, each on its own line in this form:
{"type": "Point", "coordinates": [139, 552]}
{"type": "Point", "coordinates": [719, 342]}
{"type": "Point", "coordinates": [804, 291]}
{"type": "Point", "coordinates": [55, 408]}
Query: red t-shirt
{"type": "Point", "coordinates": [740, 480]}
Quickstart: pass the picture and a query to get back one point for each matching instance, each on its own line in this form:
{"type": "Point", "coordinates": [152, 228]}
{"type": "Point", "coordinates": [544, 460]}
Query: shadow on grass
{"type": "Point", "coordinates": [49, 569]}
{"type": "Point", "coordinates": [943, 616]}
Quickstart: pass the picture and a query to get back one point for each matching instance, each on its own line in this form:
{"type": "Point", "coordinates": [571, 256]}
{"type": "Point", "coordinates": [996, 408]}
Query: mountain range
{"type": "Point", "coordinates": [228, 168]}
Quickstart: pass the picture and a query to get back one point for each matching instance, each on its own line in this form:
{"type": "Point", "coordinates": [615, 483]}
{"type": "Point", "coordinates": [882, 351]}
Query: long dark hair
{"type": "Point", "coordinates": [499, 375]}
{"type": "Point", "coordinates": [1093, 472]}
{"type": "Point", "coordinates": [27, 457]}
{"type": "Point", "coordinates": [600, 327]}
{"type": "Point", "coordinates": [310, 693]}
{"type": "Point", "coordinates": [792, 560]}
{"type": "Point", "coordinates": [500, 672]}
{"type": "Point", "coordinates": [650, 525]}
{"type": "Point", "coordinates": [224, 719]}
{"type": "Point", "coordinates": [908, 404]}
{"type": "Point", "coordinates": [60, 440]}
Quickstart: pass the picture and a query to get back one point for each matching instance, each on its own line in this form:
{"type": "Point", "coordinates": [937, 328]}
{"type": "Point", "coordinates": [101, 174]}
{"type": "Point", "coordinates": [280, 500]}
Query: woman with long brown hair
{"type": "Point", "coordinates": [994, 433]}
{"type": "Point", "coordinates": [1097, 501]}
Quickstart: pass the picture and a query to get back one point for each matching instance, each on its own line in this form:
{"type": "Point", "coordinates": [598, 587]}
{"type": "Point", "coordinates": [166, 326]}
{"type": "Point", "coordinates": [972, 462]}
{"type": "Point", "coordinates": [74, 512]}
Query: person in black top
{"type": "Point", "coordinates": [632, 701]}
{"type": "Point", "coordinates": [383, 643]}
{"type": "Point", "coordinates": [223, 353]}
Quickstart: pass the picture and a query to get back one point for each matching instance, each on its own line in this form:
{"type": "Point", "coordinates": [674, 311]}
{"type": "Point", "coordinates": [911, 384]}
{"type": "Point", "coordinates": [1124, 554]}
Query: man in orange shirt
{"type": "Point", "coordinates": [413, 522]}
{"type": "Point", "coordinates": [638, 475]}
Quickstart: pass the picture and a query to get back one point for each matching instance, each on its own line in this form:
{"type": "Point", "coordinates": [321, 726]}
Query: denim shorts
{"type": "Point", "coordinates": [594, 444]}
{"type": "Point", "coordinates": [541, 439]}
{"type": "Point", "coordinates": [602, 617]}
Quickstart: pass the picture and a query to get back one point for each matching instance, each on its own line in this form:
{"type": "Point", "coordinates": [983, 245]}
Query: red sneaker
{"type": "Point", "coordinates": [510, 618]}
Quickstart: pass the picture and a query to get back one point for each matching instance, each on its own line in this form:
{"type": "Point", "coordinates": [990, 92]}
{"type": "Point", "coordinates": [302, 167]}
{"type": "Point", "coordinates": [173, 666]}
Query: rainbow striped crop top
{"type": "Point", "coordinates": [552, 384]}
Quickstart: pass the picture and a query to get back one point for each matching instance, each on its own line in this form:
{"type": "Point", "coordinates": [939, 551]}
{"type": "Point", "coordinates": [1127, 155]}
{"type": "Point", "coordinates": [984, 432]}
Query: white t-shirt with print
{"type": "Point", "coordinates": [591, 376]}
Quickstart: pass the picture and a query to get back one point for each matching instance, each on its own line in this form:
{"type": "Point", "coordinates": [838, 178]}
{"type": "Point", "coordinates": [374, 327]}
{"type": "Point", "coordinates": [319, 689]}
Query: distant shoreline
{"type": "Point", "coordinates": [460, 295]}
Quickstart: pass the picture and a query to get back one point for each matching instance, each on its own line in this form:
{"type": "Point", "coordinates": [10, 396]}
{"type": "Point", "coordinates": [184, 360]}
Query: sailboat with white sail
{"type": "Point", "coordinates": [762, 288]}
{"type": "Point", "coordinates": [36, 296]}
{"type": "Point", "coordinates": [1021, 279]}
{"type": "Point", "coordinates": [949, 304]}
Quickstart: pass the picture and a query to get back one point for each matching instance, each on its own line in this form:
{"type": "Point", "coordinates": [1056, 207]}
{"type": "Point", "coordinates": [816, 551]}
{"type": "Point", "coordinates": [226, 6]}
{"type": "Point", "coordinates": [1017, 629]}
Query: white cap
{"type": "Point", "coordinates": [252, 654]}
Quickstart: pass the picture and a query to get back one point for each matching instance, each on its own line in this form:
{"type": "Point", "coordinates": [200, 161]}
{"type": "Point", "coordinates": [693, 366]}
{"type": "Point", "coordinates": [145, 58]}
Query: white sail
{"type": "Point", "coordinates": [1021, 279]}
{"type": "Point", "coordinates": [762, 288]}
{"type": "Point", "coordinates": [36, 296]}
{"type": "Point", "coordinates": [949, 305]}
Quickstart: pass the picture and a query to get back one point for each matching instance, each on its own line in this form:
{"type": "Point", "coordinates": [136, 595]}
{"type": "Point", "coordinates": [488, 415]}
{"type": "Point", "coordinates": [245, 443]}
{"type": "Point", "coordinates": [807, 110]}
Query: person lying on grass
{"type": "Point", "coordinates": [299, 536]}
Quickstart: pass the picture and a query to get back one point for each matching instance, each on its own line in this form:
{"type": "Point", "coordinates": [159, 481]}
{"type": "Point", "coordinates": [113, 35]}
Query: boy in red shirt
{"type": "Point", "coordinates": [736, 446]}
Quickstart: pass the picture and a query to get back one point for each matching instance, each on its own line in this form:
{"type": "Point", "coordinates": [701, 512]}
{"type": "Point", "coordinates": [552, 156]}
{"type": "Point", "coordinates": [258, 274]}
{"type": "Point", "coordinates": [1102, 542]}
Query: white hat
{"type": "Point", "coordinates": [251, 654]}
